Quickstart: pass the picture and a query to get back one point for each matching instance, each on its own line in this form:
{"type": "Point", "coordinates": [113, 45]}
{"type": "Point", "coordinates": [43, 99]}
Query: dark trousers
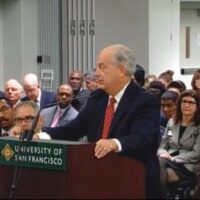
{"type": "Point", "coordinates": [153, 188]}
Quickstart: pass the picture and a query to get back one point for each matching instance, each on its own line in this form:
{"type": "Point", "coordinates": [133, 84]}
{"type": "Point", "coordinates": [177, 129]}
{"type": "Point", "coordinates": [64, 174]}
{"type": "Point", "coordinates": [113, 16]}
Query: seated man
{"type": "Point", "coordinates": [76, 79]}
{"type": "Point", "coordinates": [90, 80]}
{"type": "Point", "coordinates": [34, 92]}
{"type": "Point", "coordinates": [6, 118]}
{"type": "Point", "coordinates": [177, 86]}
{"type": "Point", "coordinates": [13, 92]}
{"type": "Point", "coordinates": [24, 115]}
{"type": "Point", "coordinates": [62, 113]}
{"type": "Point", "coordinates": [168, 106]}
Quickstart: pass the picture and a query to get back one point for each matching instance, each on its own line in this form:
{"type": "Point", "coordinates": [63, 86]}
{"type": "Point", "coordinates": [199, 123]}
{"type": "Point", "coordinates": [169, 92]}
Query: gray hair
{"type": "Point", "coordinates": [29, 103]}
{"type": "Point", "coordinates": [124, 56]}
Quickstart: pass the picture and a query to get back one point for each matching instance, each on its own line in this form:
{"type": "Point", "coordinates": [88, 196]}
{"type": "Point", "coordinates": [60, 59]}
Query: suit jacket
{"type": "Point", "coordinates": [47, 97]}
{"type": "Point", "coordinates": [48, 114]}
{"type": "Point", "coordinates": [80, 99]}
{"type": "Point", "coordinates": [188, 146]}
{"type": "Point", "coordinates": [135, 124]}
{"type": "Point", "coordinates": [2, 95]}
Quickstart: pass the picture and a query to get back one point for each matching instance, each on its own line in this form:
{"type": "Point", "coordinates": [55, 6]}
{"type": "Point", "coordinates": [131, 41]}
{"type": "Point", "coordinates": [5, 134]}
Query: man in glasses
{"type": "Point", "coordinates": [24, 114]}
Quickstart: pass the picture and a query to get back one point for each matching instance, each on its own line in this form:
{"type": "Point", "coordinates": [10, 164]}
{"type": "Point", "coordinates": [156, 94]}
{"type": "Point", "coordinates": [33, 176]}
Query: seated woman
{"type": "Point", "coordinates": [179, 151]}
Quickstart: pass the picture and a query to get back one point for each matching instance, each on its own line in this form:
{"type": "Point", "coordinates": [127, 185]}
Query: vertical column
{"type": "Point", "coordinates": [80, 42]}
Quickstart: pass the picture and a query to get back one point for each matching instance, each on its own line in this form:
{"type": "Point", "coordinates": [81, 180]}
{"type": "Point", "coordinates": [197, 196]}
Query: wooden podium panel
{"type": "Point", "coordinates": [86, 177]}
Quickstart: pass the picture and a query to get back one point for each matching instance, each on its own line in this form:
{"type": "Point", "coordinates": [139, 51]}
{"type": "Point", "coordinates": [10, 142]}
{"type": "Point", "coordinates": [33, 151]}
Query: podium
{"type": "Point", "coordinates": [85, 177]}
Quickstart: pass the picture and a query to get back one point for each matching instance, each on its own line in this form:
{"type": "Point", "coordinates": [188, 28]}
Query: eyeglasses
{"type": "Point", "coordinates": [188, 102]}
{"type": "Point", "coordinates": [27, 119]}
{"type": "Point", "coordinates": [75, 78]}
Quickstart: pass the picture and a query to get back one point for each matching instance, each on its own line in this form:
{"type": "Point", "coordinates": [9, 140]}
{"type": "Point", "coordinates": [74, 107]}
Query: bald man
{"type": "Point", "coordinates": [35, 93]}
{"type": "Point", "coordinates": [13, 92]}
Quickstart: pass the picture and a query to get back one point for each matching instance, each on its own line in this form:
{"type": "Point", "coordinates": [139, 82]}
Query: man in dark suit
{"type": "Point", "coordinates": [67, 112]}
{"type": "Point", "coordinates": [76, 79]}
{"type": "Point", "coordinates": [134, 130]}
{"type": "Point", "coordinates": [35, 93]}
{"type": "Point", "coordinates": [2, 95]}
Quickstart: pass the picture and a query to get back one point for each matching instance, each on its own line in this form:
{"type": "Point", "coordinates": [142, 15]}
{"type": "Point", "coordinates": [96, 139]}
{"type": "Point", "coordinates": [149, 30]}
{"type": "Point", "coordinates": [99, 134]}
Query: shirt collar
{"type": "Point", "coordinates": [39, 96]}
{"type": "Point", "coordinates": [119, 95]}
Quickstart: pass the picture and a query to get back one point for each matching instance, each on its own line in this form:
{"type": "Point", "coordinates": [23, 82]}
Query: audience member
{"type": "Point", "coordinates": [6, 118]}
{"type": "Point", "coordinates": [139, 75]}
{"type": "Point", "coordinates": [24, 114]}
{"type": "Point", "coordinates": [176, 86]}
{"type": "Point", "coordinates": [76, 79]}
{"type": "Point", "coordinates": [13, 92]}
{"type": "Point", "coordinates": [157, 88]}
{"type": "Point", "coordinates": [168, 107]}
{"type": "Point", "coordinates": [195, 83]}
{"type": "Point", "coordinates": [166, 77]}
{"type": "Point", "coordinates": [35, 93]}
{"type": "Point", "coordinates": [134, 130]}
{"type": "Point", "coordinates": [90, 80]}
{"type": "Point", "coordinates": [179, 151]}
{"type": "Point", "coordinates": [62, 113]}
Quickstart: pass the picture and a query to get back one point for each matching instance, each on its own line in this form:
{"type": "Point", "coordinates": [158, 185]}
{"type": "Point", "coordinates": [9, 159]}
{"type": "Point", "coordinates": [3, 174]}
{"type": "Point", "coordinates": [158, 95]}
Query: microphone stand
{"type": "Point", "coordinates": [17, 171]}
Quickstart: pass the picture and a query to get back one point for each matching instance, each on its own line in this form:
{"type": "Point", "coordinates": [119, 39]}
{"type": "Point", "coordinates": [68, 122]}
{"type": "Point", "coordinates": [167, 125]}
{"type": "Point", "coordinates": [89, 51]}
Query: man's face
{"type": "Point", "coordinates": [32, 91]}
{"type": "Point", "coordinates": [6, 116]}
{"type": "Point", "coordinates": [12, 92]}
{"type": "Point", "coordinates": [107, 73]}
{"type": "Point", "coordinates": [168, 107]}
{"type": "Point", "coordinates": [75, 80]}
{"type": "Point", "coordinates": [64, 94]}
{"type": "Point", "coordinates": [91, 84]}
{"type": "Point", "coordinates": [24, 117]}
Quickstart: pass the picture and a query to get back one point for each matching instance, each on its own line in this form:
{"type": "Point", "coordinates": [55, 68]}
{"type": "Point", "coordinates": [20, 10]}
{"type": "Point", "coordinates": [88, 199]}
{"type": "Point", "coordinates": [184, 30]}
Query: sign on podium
{"type": "Point", "coordinates": [65, 169]}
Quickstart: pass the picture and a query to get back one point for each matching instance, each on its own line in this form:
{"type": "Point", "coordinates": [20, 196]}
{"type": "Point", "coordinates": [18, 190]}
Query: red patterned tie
{"type": "Point", "coordinates": [108, 117]}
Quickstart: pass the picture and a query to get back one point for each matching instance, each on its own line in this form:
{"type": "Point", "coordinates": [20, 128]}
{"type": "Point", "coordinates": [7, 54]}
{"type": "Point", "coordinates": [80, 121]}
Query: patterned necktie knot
{"type": "Point", "coordinates": [112, 101]}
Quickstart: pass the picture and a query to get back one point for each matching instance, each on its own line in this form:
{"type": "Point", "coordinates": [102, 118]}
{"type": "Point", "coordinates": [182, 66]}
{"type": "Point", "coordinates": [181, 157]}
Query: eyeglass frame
{"type": "Point", "coordinates": [188, 102]}
{"type": "Point", "coordinates": [27, 119]}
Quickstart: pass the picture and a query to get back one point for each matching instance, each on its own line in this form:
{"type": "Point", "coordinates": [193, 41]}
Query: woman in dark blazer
{"type": "Point", "coordinates": [179, 152]}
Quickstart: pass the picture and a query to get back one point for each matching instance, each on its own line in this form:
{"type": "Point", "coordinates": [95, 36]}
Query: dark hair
{"type": "Point", "coordinates": [196, 76]}
{"type": "Point", "coordinates": [170, 95]}
{"type": "Point", "coordinates": [188, 93]}
{"type": "Point", "coordinates": [157, 88]}
{"type": "Point", "coordinates": [180, 85]}
{"type": "Point", "coordinates": [139, 75]}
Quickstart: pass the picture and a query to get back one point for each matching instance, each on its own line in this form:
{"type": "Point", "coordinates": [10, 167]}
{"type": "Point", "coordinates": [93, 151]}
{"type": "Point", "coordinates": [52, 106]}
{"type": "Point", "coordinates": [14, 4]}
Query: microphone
{"type": "Point", "coordinates": [28, 134]}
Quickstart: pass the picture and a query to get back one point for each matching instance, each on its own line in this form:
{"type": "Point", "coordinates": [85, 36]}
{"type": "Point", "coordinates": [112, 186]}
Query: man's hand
{"type": "Point", "coordinates": [105, 146]}
{"type": "Point", "coordinates": [15, 131]}
{"type": "Point", "coordinates": [39, 125]}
